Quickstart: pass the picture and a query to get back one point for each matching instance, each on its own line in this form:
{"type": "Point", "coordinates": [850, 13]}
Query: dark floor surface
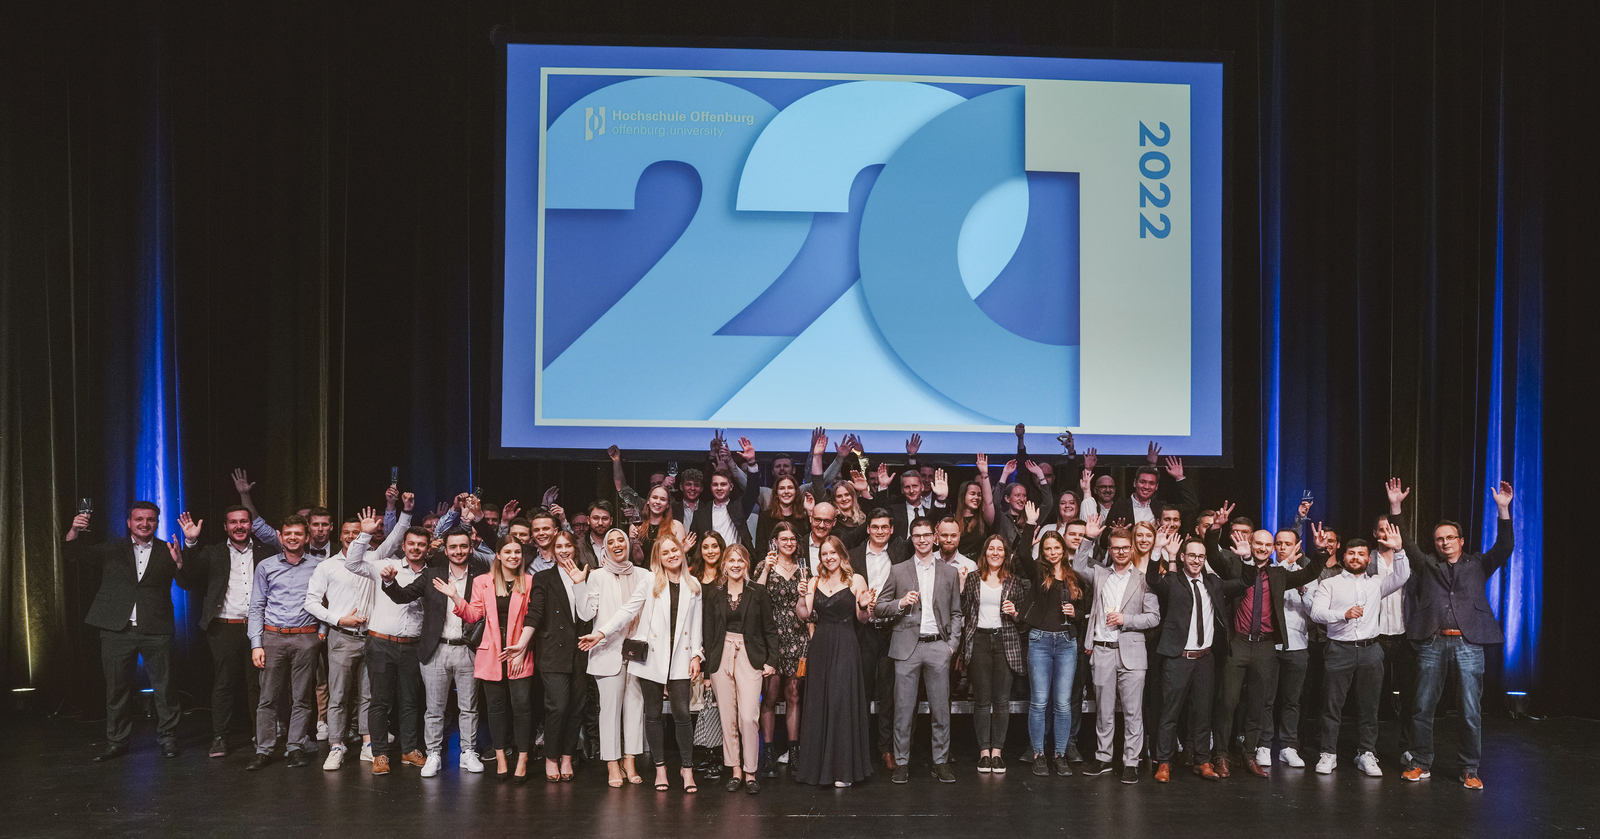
{"type": "Point", "coordinates": [1540, 779]}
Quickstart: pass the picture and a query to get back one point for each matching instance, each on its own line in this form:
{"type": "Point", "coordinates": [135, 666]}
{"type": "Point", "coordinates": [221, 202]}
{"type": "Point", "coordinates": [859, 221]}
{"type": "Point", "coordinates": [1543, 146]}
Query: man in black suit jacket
{"type": "Point", "coordinates": [913, 493]}
{"type": "Point", "coordinates": [225, 570]}
{"type": "Point", "coordinates": [1449, 625]}
{"type": "Point", "coordinates": [1188, 639]}
{"type": "Point", "coordinates": [444, 651]}
{"type": "Point", "coordinates": [133, 611]}
{"type": "Point", "coordinates": [876, 669]}
{"type": "Point", "coordinates": [602, 517]}
{"type": "Point", "coordinates": [724, 495]}
{"type": "Point", "coordinates": [1146, 482]}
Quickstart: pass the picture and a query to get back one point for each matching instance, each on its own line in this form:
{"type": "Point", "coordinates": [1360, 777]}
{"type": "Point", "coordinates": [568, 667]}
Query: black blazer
{"type": "Point", "coordinates": [1436, 588]}
{"type": "Point", "coordinates": [896, 505]}
{"type": "Point", "coordinates": [1231, 566]}
{"type": "Point", "coordinates": [555, 627]}
{"type": "Point", "coordinates": [700, 525]}
{"type": "Point", "coordinates": [1177, 604]}
{"type": "Point", "coordinates": [1187, 503]}
{"type": "Point", "coordinates": [212, 563]}
{"type": "Point", "coordinates": [121, 588]}
{"type": "Point", "coordinates": [899, 551]}
{"type": "Point", "coordinates": [435, 605]}
{"type": "Point", "coordinates": [758, 643]}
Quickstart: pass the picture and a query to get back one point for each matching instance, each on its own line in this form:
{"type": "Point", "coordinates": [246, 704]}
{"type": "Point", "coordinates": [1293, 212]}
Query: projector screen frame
{"type": "Point", "coordinates": [503, 37]}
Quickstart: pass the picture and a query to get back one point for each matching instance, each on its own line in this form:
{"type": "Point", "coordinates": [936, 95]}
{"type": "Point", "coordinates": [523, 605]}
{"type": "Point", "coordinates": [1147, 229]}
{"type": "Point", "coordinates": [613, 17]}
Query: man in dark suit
{"type": "Point", "coordinates": [225, 570]}
{"type": "Point", "coordinates": [873, 560]}
{"type": "Point", "coordinates": [133, 611]}
{"type": "Point", "coordinates": [1192, 627]}
{"type": "Point", "coordinates": [1143, 505]}
{"type": "Point", "coordinates": [921, 601]}
{"type": "Point", "coordinates": [914, 499]}
{"type": "Point", "coordinates": [444, 648]}
{"type": "Point", "coordinates": [1449, 626]}
{"type": "Point", "coordinates": [722, 513]}
{"type": "Point", "coordinates": [591, 547]}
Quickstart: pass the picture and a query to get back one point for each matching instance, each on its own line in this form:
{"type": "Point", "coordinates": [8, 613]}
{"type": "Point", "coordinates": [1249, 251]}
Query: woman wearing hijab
{"type": "Point", "coordinates": [621, 702]}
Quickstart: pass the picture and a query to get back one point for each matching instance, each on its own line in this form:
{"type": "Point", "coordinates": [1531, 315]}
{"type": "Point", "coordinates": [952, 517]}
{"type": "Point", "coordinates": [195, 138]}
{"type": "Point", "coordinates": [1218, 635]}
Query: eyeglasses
{"type": "Point", "coordinates": [816, 520]}
{"type": "Point", "coordinates": [1121, 549]}
{"type": "Point", "coordinates": [1194, 556]}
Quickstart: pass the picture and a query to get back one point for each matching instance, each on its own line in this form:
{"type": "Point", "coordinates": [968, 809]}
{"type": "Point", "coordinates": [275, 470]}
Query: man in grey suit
{"type": "Point", "coordinates": [921, 602]}
{"type": "Point", "coordinates": [1124, 607]}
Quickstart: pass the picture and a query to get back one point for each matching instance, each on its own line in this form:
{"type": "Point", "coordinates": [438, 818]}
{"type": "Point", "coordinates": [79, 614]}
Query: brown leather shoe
{"type": "Point", "coordinates": [1163, 773]}
{"type": "Point", "coordinates": [1222, 768]}
{"type": "Point", "coordinates": [414, 758]}
{"type": "Point", "coordinates": [1205, 770]}
{"type": "Point", "coordinates": [380, 764]}
{"type": "Point", "coordinates": [1255, 768]}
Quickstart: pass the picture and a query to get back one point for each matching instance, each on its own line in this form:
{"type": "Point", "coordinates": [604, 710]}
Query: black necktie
{"type": "Point", "coordinates": [1199, 627]}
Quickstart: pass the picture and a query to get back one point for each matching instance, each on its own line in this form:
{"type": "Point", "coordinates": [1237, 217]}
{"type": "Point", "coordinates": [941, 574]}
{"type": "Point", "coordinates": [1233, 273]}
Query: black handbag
{"type": "Point", "coordinates": [472, 633]}
{"type": "Point", "coordinates": [635, 651]}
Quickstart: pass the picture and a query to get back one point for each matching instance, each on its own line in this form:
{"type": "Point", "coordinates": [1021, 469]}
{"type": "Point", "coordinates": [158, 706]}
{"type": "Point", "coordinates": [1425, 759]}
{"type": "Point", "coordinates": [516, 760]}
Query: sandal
{"type": "Point", "coordinates": [614, 783]}
{"type": "Point", "coordinates": [662, 787]}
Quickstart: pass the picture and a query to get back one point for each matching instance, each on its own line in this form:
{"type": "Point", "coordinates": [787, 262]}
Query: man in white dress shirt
{"type": "Point", "coordinates": [1349, 605]}
{"type": "Point", "coordinates": [393, 630]}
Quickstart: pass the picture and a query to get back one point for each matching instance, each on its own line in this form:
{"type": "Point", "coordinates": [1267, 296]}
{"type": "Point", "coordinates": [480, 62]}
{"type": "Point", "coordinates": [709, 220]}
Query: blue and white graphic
{"type": "Point", "coordinates": [763, 241]}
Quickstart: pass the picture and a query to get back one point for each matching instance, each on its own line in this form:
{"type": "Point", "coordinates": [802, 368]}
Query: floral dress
{"type": "Point", "coordinates": [792, 636]}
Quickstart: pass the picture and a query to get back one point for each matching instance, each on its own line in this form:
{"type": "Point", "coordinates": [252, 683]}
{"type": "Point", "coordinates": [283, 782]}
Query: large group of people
{"type": "Point", "coordinates": [836, 597]}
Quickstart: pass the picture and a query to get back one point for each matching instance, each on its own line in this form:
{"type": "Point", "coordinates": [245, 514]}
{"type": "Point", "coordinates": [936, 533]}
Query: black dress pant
{"type": "Point", "coordinates": [1360, 665]}
{"type": "Point", "coordinates": [677, 692]}
{"type": "Point", "coordinates": [509, 706]}
{"type": "Point", "coordinates": [231, 670]}
{"type": "Point", "coordinates": [1193, 679]}
{"type": "Point", "coordinates": [565, 695]}
{"type": "Point", "coordinates": [396, 680]}
{"type": "Point", "coordinates": [877, 673]}
{"type": "Point", "coordinates": [119, 655]}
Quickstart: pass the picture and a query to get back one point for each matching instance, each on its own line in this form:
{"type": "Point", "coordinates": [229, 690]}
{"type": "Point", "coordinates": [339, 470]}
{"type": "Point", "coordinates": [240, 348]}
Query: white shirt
{"type": "Point", "coordinates": [960, 562]}
{"type": "Point", "coordinates": [1111, 601]}
{"type": "Point", "coordinates": [1297, 612]}
{"type": "Point", "coordinates": [722, 523]}
{"type": "Point", "coordinates": [1392, 609]}
{"type": "Point", "coordinates": [1207, 614]}
{"type": "Point", "coordinates": [141, 561]}
{"type": "Point", "coordinates": [925, 583]}
{"type": "Point", "coordinates": [878, 566]}
{"type": "Point", "coordinates": [989, 604]}
{"type": "Point", "coordinates": [402, 620]}
{"type": "Point", "coordinates": [345, 592]}
{"type": "Point", "coordinates": [1141, 510]}
{"type": "Point", "coordinates": [1336, 595]}
{"type": "Point", "coordinates": [452, 621]}
{"type": "Point", "coordinates": [241, 570]}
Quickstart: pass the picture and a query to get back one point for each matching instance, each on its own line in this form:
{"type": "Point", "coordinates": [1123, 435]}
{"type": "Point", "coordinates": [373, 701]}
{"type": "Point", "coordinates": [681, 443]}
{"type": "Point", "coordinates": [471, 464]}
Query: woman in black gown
{"type": "Point", "coordinates": [835, 741]}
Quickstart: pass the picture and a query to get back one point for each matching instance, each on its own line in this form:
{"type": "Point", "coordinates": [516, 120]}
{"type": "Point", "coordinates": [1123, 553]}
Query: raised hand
{"type": "Point", "coordinates": [982, 462]}
{"type": "Point", "coordinates": [1030, 513]}
{"type": "Point", "coordinates": [1502, 496]}
{"type": "Point", "coordinates": [941, 484]}
{"type": "Point", "coordinates": [1224, 514]}
{"type": "Point", "coordinates": [80, 522]}
{"type": "Point", "coordinates": [574, 571]}
{"type": "Point", "coordinates": [865, 598]}
{"type": "Point", "coordinates": [747, 449]}
{"type": "Point", "coordinates": [441, 508]}
{"type": "Point", "coordinates": [191, 528]}
{"type": "Point", "coordinates": [550, 496]}
{"type": "Point", "coordinates": [614, 453]}
{"type": "Point", "coordinates": [1305, 509]}
{"type": "Point", "coordinates": [1090, 459]}
{"type": "Point", "coordinates": [177, 553]}
{"type": "Point", "coordinates": [1175, 467]}
{"type": "Point", "coordinates": [1241, 544]}
{"type": "Point", "coordinates": [1319, 536]}
{"type": "Point", "coordinates": [809, 502]}
{"type": "Point", "coordinates": [1152, 453]}
{"type": "Point", "coordinates": [509, 511]}
{"type": "Point", "coordinates": [388, 572]}
{"type": "Point", "coordinates": [634, 532]}
{"type": "Point", "coordinates": [719, 443]}
{"type": "Point", "coordinates": [369, 521]}
{"type": "Point", "coordinates": [1021, 430]}
{"type": "Point", "coordinates": [883, 476]}
{"type": "Point", "coordinates": [1036, 469]}
{"type": "Point", "coordinates": [913, 444]}
{"type": "Point", "coordinates": [1093, 527]}
{"type": "Point", "coordinates": [1389, 537]}
{"type": "Point", "coordinates": [819, 440]}
{"type": "Point", "coordinates": [859, 481]}
{"type": "Point", "coordinates": [407, 501]}
{"type": "Point", "coordinates": [1290, 555]}
{"type": "Point", "coordinates": [1397, 494]}
{"type": "Point", "coordinates": [391, 496]}
{"type": "Point", "coordinates": [1067, 443]}
{"type": "Point", "coordinates": [242, 483]}
{"type": "Point", "coordinates": [1011, 466]}
{"type": "Point", "coordinates": [447, 590]}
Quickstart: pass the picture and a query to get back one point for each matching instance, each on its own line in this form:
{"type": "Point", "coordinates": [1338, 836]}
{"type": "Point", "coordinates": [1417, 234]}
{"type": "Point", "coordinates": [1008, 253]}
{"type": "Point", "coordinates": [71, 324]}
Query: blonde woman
{"type": "Point", "coordinates": [835, 727]}
{"type": "Point", "coordinates": [739, 637]}
{"type": "Point", "coordinates": [666, 607]}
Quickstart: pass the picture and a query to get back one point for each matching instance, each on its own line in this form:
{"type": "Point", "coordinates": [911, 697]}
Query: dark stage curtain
{"type": "Point", "coordinates": [273, 229]}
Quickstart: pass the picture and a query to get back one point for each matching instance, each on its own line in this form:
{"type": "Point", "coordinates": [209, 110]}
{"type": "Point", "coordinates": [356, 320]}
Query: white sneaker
{"type": "Point", "coordinates": [430, 767]}
{"type": "Point", "coordinates": [1367, 762]}
{"type": "Point", "coordinates": [366, 752]}
{"type": "Point", "coordinates": [840, 784]}
{"type": "Point", "coordinates": [335, 758]}
{"type": "Point", "coordinates": [1405, 758]}
{"type": "Point", "coordinates": [1327, 763]}
{"type": "Point", "coordinates": [322, 731]}
{"type": "Point", "coordinates": [1291, 758]}
{"type": "Point", "coordinates": [471, 762]}
{"type": "Point", "coordinates": [784, 758]}
{"type": "Point", "coordinates": [1263, 757]}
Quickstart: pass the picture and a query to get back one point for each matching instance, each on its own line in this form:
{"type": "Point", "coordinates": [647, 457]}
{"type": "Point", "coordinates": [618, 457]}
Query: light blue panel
{"type": "Point", "coordinates": [632, 363]}
{"type": "Point", "coordinates": [912, 277]}
{"type": "Point", "coordinates": [991, 233]}
{"type": "Point", "coordinates": [809, 156]}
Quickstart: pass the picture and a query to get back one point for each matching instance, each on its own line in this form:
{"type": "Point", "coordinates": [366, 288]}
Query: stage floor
{"type": "Point", "coordinates": [1539, 777]}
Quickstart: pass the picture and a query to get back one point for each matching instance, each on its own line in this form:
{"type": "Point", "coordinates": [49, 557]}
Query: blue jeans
{"type": "Point", "coordinates": [1052, 663]}
{"type": "Point", "coordinates": [1436, 657]}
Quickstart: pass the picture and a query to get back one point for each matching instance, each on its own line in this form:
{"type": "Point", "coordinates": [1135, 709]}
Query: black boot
{"type": "Point", "coordinates": [794, 759]}
{"type": "Point", "coordinates": [769, 762]}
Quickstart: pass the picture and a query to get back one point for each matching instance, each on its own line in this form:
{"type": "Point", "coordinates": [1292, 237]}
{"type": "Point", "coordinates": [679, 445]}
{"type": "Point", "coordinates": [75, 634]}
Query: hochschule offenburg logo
{"type": "Point", "coordinates": [594, 122]}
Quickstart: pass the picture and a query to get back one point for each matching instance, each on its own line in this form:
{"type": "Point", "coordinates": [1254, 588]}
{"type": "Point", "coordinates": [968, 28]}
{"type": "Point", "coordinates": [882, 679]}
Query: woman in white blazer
{"type": "Point", "coordinates": [611, 586]}
{"type": "Point", "coordinates": [665, 608]}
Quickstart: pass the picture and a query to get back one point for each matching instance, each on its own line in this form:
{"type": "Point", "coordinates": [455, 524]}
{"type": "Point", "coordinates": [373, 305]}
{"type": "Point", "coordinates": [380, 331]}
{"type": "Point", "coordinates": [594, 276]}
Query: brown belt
{"type": "Point", "coordinates": [1456, 632]}
{"type": "Point", "coordinates": [230, 620]}
{"type": "Point", "coordinates": [292, 630]}
{"type": "Point", "coordinates": [1194, 654]}
{"type": "Point", "coordinates": [398, 639]}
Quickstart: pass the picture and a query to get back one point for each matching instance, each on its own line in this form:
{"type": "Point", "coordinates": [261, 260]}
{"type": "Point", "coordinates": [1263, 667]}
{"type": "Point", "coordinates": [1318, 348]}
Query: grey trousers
{"type": "Point", "coordinates": [292, 661]}
{"type": "Point", "coordinates": [347, 666]}
{"type": "Point", "coordinates": [1117, 688]}
{"type": "Point", "coordinates": [451, 664]}
{"type": "Point", "coordinates": [928, 665]}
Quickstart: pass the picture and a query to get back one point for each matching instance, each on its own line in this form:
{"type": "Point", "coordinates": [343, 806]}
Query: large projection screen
{"type": "Point", "coordinates": [760, 241]}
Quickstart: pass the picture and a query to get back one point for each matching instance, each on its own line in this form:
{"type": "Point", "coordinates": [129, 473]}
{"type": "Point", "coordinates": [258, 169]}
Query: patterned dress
{"type": "Point", "coordinates": [792, 636]}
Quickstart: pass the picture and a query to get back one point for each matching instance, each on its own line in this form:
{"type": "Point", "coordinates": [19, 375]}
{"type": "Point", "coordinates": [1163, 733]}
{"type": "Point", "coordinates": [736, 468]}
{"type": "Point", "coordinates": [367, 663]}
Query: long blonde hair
{"type": "Point", "coordinates": [659, 571]}
{"type": "Point", "coordinates": [521, 583]}
{"type": "Point", "coordinates": [845, 571]}
{"type": "Point", "coordinates": [1141, 561]}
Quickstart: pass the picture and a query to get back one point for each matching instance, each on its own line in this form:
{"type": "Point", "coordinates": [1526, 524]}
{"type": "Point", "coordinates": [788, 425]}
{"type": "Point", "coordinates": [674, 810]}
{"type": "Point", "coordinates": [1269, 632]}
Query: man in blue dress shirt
{"type": "Point", "coordinates": [284, 642]}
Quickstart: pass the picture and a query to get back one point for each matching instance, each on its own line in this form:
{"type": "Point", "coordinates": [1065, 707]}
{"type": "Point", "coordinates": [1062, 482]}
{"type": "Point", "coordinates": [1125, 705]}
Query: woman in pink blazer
{"type": "Point", "coordinates": [503, 668]}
